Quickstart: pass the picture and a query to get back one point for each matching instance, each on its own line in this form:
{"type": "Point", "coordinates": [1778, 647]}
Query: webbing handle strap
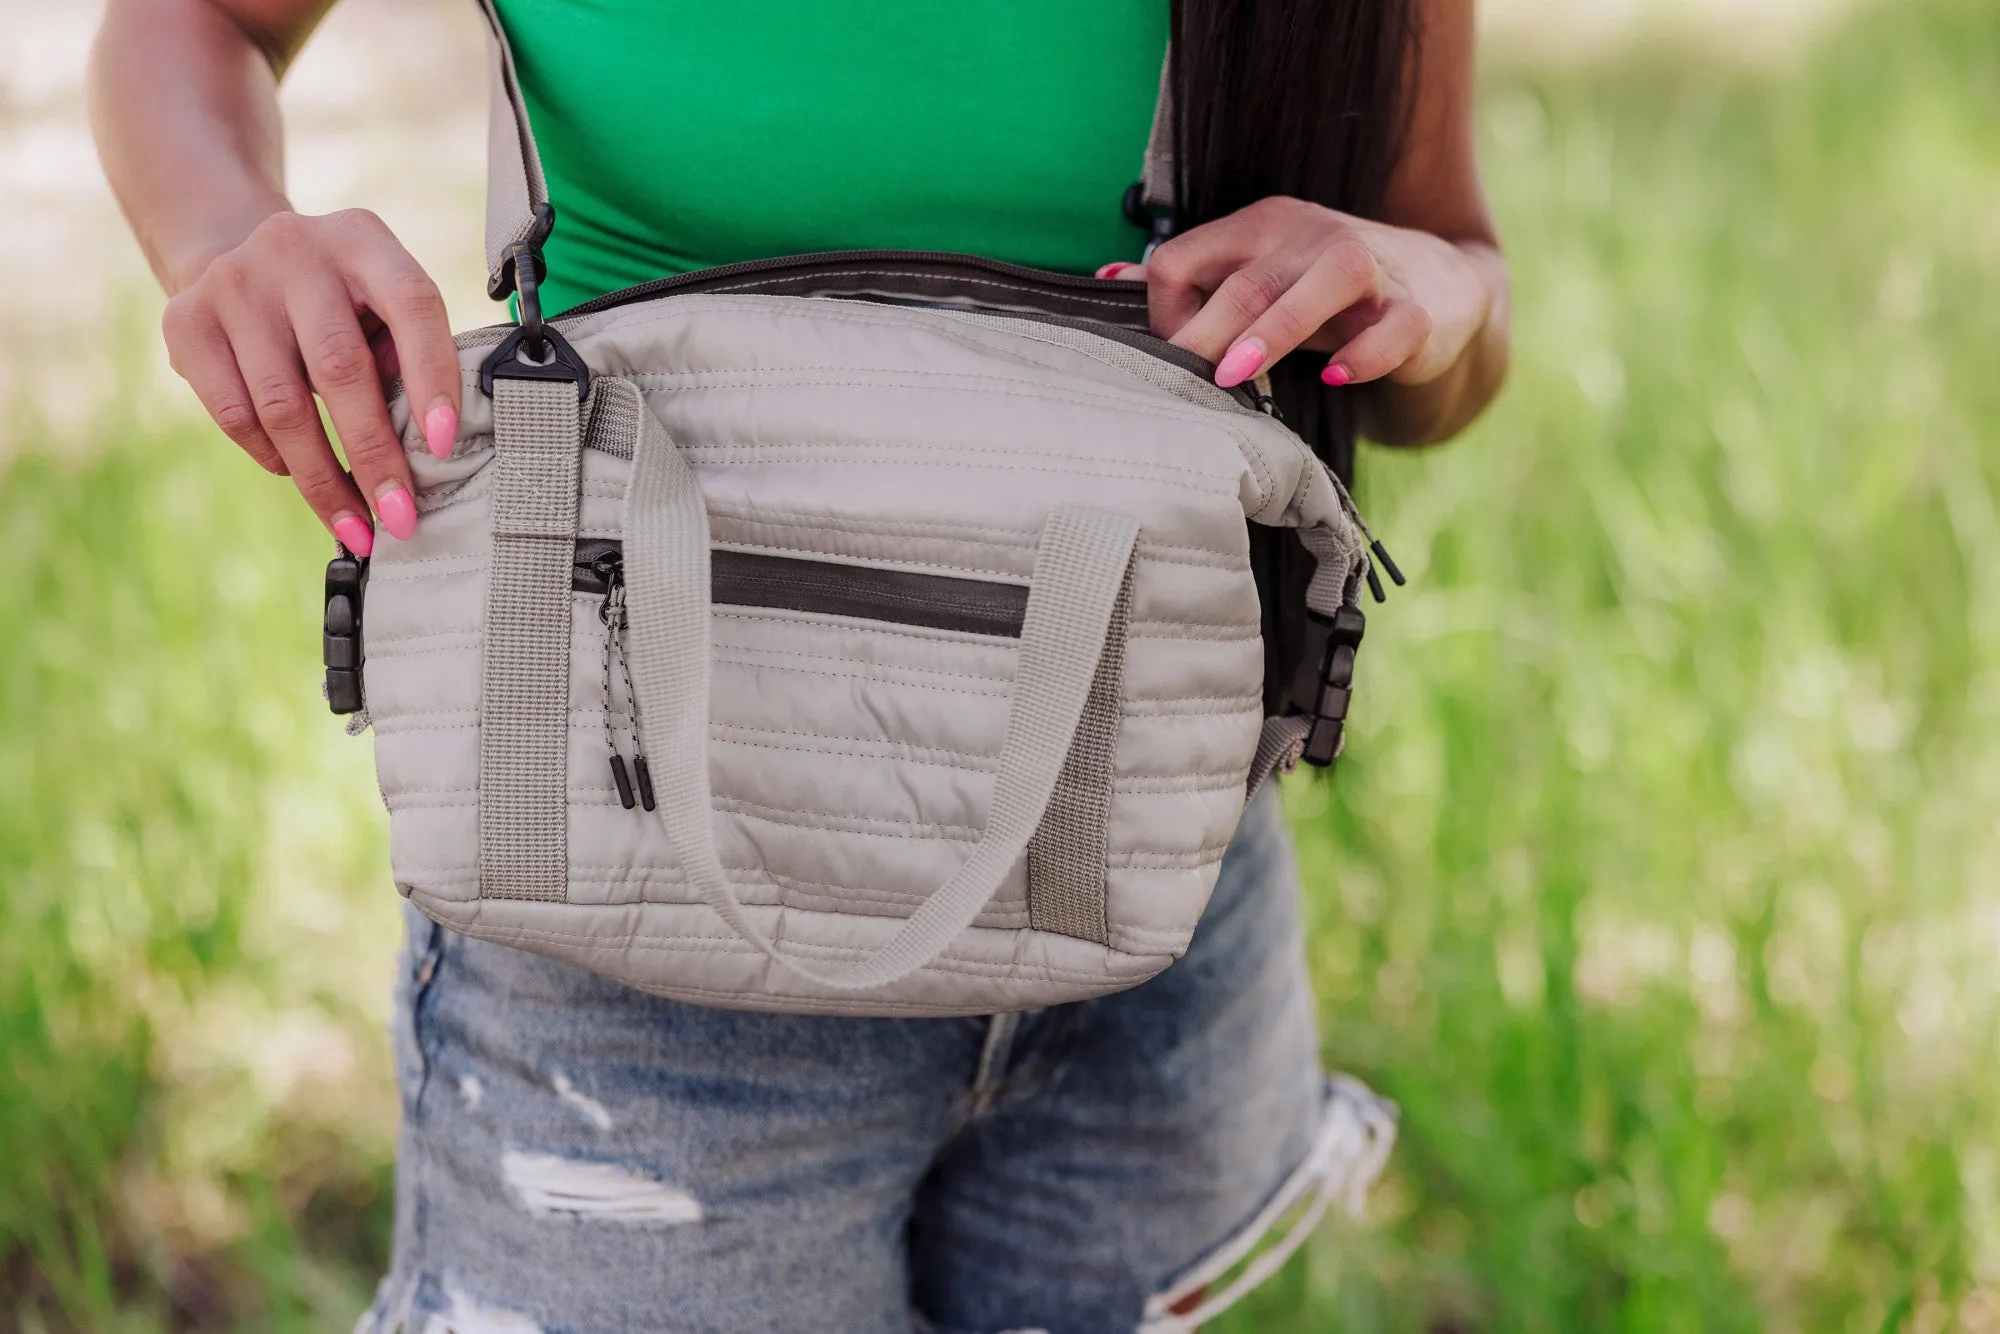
{"type": "Point", "coordinates": [1074, 592]}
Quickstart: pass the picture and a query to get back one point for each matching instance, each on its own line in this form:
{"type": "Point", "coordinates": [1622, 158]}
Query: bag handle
{"type": "Point", "coordinates": [517, 193]}
{"type": "Point", "coordinates": [1080, 565]}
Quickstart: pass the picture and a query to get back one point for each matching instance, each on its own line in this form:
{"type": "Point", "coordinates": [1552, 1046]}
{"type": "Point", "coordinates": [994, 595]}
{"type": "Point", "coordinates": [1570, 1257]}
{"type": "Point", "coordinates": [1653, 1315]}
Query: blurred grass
{"type": "Point", "coordinates": [1660, 884]}
{"type": "Point", "coordinates": [193, 930]}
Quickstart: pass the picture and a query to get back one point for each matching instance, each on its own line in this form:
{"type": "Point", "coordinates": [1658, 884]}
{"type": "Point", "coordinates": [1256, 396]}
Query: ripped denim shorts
{"type": "Point", "coordinates": [579, 1156]}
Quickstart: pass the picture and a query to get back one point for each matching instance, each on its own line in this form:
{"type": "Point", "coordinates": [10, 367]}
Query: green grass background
{"type": "Point", "coordinates": [1660, 885]}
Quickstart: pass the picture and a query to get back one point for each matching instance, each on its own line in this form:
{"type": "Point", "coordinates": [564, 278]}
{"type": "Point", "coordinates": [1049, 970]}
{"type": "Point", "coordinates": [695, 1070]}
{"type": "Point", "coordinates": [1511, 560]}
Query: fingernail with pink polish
{"type": "Point", "coordinates": [354, 534]}
{"type": "Point", "coordinates": [397, 511]}
{"type": "Point", "coordinates": [441, 430]}
{"type": "Point", "coordinates": [1239, 363]}
{"type": "Point", "coordinates": [1113, 269]}
{"type": "Point", "coordinates": [1336, 374]}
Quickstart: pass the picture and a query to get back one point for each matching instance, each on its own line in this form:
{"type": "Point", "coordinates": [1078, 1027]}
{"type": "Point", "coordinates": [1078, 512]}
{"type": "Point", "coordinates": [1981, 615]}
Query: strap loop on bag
{"type": "Point", "coordinates": [1080, 567]}
{"type": "Point", "coordinates": [524, 664]}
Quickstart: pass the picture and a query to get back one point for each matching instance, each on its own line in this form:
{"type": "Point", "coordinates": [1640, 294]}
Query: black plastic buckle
{"type": "Point", "coordinates": [346, 583]}
{"type": "Point", "coordinates": [532, 351]}
{"type": "Point", "coordinates": [512, 361]}
{"type": "Point", "coordinates": [1324, 684]}
{"type": "Point", "coordinates": [507, 281]}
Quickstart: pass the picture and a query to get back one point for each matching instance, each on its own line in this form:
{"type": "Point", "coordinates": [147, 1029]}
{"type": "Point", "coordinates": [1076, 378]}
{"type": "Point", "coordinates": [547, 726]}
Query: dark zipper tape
{"type": "Point", "coordinates": [828, 588]}
{"type": "Point", "coordinates": [989, 284]}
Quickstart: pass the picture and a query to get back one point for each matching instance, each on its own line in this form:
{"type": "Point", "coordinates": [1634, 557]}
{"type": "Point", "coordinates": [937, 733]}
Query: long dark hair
{"type": "Point", "coordinates": [1289, 97]}
{"type": "Point", "coordinates": [1308, 98]}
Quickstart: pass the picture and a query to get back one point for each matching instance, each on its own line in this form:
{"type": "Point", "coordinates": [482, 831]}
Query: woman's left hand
{"type": "Point", "coordinates": [1244, 290]}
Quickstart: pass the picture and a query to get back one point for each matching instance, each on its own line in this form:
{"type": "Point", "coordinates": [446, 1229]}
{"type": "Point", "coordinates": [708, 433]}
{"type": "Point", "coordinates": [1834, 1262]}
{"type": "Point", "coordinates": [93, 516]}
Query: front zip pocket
{"type": "Point", "coordinates": [779, 583]}
{"type": "Point", "coordinates": [829, 588]}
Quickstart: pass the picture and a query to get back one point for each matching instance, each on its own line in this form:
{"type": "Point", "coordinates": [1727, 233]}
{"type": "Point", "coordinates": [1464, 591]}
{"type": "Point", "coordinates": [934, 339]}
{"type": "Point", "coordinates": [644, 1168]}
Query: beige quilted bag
{"type": "Point", "coordinates": [860, 634]}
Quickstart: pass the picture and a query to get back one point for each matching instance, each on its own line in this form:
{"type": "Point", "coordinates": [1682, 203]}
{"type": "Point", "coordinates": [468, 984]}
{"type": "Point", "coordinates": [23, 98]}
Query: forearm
{"type": "Point", "coordinates": [1394, 413]}
{"type": "Point", "coordinates": [183, 103]}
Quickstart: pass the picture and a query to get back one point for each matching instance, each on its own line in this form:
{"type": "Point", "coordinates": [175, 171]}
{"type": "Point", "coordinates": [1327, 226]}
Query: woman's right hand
{"type": "Point", "coordinates": [332, 305]}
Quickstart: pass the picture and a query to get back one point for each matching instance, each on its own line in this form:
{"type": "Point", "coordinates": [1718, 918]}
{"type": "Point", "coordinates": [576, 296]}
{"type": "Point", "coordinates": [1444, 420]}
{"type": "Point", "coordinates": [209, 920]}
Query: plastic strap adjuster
{"type": "Point", "coordinates": [346, 583]}
{"type": "Point", "coordinates": [1324, 685]}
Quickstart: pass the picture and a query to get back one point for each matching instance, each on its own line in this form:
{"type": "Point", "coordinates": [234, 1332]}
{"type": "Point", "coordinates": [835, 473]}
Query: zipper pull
{"type": "Point", "coordinates": [610, 568]}
{"type": "Point", "coordinates": [1388, 562]}
{"type": "Point", "coordinates": [1381, 554]}
{"type": "Point", "coordinates": [645, 777]}
{"type": "Point", "coordinates": [622, 779]}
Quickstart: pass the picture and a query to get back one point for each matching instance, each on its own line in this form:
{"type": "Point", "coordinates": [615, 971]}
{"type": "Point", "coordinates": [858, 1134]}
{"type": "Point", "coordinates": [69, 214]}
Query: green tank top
{"type": "Point", "coordinates": [678, 136]}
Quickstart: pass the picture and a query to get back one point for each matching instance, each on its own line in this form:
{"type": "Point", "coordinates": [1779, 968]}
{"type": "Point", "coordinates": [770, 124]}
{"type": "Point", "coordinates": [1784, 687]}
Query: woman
{"type": "Point", "coordinates": [579, 1156]}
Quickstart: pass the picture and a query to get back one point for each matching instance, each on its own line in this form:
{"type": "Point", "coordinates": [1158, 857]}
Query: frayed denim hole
{"type": "Point", "coordinates": [1356, 1132]}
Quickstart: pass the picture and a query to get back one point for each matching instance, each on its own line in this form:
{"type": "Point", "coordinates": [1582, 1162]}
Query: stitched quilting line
{"type": "Point", "coordinates": [864, 903]}
{"type": "Point", "coordinates": [960, 756]}
{"type": "Point", "coordinates": [1217, 479]}
{"type": "Point", "coordinates": [1177, 784]}
{"type": "Point", "coordinates": [954, 760]}
{"type": "Point", "coordinates": [1168, 708]}
{"type": "Point", "coordinates": [820, 620]}
{"type": "Point", "coordinates": [858, 825]}
{"type": "Point", "coordinates": [412, 571]}
{"type": "Point", "coordinates": [915, 377]}
{"type": "Point", "coordinates": [589, 721]}
{"type": "Point", "coordinates": [1166, 631]}
{"type": "Point", "coordinates": [1000, 692]}
{"type": "Point", "coordinates": [822, 453]}
{"type": "Point", "coordinates": [682, 944]}
{"type": "Point", "coordinates": [1094, 984]}
{"type": "Point", "coordinates": [378, 652]}
{"type": "Point", "coordinates": [1166, 861]}
{"type": "Point", "coordinates": [1011, 538]}
{"type": "Point", "coordinates": [454, 639]}
{"type": "Point", "coordinates": [949, 675]}
{"type": "Point", "coordinates": [651, 877]}
{"type": "Point", "coordinates": [980, 968]}
{"type": "Point", "coordinates": [735, 945]}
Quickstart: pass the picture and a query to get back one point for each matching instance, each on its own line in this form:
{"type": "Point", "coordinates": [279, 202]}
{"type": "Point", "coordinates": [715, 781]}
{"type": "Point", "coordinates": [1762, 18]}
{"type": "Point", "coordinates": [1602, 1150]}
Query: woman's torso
{"type": "Point", "coordinates": [678, 136]}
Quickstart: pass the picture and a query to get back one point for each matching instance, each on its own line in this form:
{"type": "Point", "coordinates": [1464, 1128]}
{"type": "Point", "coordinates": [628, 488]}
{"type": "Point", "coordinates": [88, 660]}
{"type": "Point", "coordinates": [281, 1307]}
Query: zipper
{"type": "Point", "coordinates": [818, 587]}
{"type": "Point", "coordinates": [785, 583]}
{"type": "Point", "coordinates": [604, 567]}
{"type": "Point", "coordinates": [866, 592]}
{"type": "Point", "coordinates": [752, 268]}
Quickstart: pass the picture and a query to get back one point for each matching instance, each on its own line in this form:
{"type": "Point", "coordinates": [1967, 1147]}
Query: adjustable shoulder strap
{"type": "Point", "coordinates": [517, 194]}
{"type": "Point", "coordinates": [1156, 181]}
